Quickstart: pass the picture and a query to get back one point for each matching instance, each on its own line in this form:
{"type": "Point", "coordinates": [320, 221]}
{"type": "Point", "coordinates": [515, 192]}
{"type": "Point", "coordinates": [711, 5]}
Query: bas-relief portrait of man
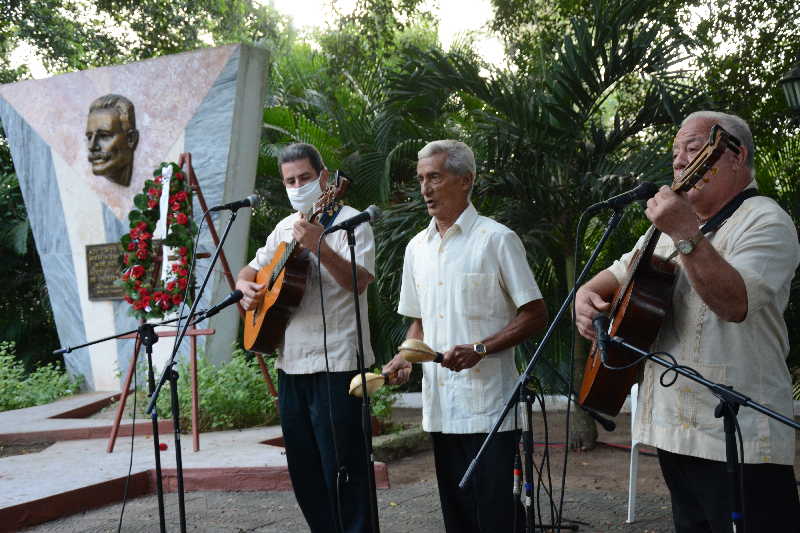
{"type": "Point", "coordinates": [111, 138]}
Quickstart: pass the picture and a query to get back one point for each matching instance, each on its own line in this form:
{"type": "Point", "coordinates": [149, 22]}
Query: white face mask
{"type": "Point", "coordinates": [303, 198]}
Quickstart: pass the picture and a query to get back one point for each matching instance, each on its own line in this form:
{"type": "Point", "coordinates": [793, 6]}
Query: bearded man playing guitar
{"type": "Point", "coordinates": [321, 423]}
{"type": "Point", "coordinates": [726, 321]}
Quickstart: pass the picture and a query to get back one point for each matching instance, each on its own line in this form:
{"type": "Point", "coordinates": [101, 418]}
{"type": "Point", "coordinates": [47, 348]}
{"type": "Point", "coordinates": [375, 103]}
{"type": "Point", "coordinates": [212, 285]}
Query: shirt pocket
{"type": "Point", "coordinates": [695, 404]}
{"type": "Point", "coordinates": [485, 380]}
{"type": "Point", "coordinates": [476, 294]}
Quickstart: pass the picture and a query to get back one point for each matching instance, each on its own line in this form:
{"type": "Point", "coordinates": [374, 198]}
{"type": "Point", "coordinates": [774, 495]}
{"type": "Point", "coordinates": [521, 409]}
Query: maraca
{"type": "Point", "coordinates": [416, 351]}
{"type": "Point", "coordinates": [374, 382]}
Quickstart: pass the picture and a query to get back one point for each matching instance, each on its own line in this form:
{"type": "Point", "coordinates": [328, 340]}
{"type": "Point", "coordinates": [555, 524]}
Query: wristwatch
{"type": "Point", "coordinates": [480, 349]}
{"type": "Point", "coordinates": [687, 246]}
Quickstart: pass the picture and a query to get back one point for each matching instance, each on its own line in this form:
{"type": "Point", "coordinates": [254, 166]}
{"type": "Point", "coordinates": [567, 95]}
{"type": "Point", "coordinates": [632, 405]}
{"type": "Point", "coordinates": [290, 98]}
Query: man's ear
{"type": "Point", "coordinates": [469, 181]}
{"type": "Point", "coordinates": [133, 139]}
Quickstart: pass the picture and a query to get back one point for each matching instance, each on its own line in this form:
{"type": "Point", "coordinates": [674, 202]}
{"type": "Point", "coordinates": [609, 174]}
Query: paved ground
{"type": "Point", "coordinates": [595, 501]}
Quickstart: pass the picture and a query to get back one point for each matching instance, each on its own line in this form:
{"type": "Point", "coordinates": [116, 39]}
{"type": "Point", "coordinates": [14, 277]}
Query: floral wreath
{"type": "Point", "coordinates": [146, 299]}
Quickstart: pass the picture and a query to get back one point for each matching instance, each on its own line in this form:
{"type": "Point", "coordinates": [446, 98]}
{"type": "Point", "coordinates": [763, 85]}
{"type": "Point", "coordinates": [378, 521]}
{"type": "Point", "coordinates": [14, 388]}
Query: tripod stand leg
{"type": "Point", "coordinates": [123, 397]}
{"type": "Point", "coordinates": [195, 398]}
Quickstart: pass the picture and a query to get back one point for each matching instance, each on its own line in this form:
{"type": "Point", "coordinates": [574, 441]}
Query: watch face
{"type": "Point", "coordinates": [685, 247]}
{"type": "Point", "coordinates": [479, 348]}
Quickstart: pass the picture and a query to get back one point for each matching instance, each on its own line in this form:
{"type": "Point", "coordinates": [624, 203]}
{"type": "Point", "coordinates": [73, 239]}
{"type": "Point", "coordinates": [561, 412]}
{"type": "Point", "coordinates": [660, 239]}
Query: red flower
{"type": "Point", "coordinates": [182, 283]}
{"type": "Point", "coordinates": [182, 218]}
{"type": "Point", "coordinates": [175, 267]}
{"type": "Point", "coordinates": [184, 260]}
{"type": "Point", "coordinates": [178, 176]}
{"type": "Point", "coordinates": [177, 299]}
{"type": "Point", "coordinates": [135, 233]}
{"type": "Point", "coordinates": [152, 191]}
{"type": "Point", "coordinates": [138, 305]}
{"type": "Point", "coordinates": [183, 272]}
{"type": "Point", "coordinates": [176, 206]}
{"type": "Point", "coordinates": [152, 204]}
{"type": "Point", "coordinates": [158, 179]}
{"type": "Point", "coordinates": [131, 246]}
{"type": "Point", "coordinates": [141, 226]}
{"type": "Point", "coordinates": [171, 286]}
{"type": "Point", "coordinates": [142, 254]}
{"type": "Point", "coordinates": [145, 236]}
{"type": "Point", "coordinates": [182, 250]}
{"type": "Point", "coordinates": [137, 271]}
{"type": "Point", "coordinates": [126, 276]}
{"type": "Point", "coordinates": [128, 299]}
{"type": "Point", "coordinates": [181, 196]}
{"type": "Point", "coordinates": [165, 304]}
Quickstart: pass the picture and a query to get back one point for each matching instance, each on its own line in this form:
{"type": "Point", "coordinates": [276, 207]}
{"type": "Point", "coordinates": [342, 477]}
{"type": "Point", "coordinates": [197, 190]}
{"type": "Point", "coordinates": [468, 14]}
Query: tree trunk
{"type": "Point", "coordinates": [582, 427]}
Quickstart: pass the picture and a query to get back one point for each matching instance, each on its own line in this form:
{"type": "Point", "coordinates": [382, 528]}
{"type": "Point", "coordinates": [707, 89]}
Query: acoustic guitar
{"type": "Point", "coordinates": [284, 279]}
{"type": "Point", "coordinates": [644, 298]}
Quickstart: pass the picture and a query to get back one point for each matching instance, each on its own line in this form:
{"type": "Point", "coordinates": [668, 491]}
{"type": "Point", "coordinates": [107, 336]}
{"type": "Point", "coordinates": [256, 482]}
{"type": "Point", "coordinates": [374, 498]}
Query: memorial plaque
{"type": "Point", "coordinates": [103, 267]}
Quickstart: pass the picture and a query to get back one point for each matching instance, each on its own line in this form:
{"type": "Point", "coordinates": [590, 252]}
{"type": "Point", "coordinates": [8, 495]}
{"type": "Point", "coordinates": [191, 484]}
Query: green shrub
{"type": "Point", "coordinates": [45, 384]}
{"type": "Point", "coordinates": [382, 401]}
{"type": "Point", "coordinates": [232, 395]}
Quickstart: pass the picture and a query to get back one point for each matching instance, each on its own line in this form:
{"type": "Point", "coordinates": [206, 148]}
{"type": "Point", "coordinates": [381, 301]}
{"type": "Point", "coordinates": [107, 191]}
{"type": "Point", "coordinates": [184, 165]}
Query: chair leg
{"type": "Point", "coordinates": [633, 474]}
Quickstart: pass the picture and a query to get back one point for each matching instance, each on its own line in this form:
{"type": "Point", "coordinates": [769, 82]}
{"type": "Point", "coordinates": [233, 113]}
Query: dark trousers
{"type": "Point", "coordinates": [487, 503]}
{"type": "Point", "coordinates": [309, 439]}
{"type": "Point", "coordinates": [700, 491]}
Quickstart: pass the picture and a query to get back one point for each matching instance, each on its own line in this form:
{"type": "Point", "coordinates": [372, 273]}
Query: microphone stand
{"type": "Point", "coordinates": [170, 374]}
{"type": "Point", "coordinates": [149, 337]}
{"type": "Point", "coordinates": [366, 423]}
{"type": "Point", "coordinates": [728, 407]}
{"type": "Point", "coordinates": [515, 393]}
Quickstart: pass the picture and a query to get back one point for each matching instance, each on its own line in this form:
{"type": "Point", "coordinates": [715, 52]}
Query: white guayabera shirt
{"type": "Point", "coordinates": [466, 286]}
{"type": "Point", "coordinates": [302, 351]}
{"type": "Point", "coordinates": [760, 241]}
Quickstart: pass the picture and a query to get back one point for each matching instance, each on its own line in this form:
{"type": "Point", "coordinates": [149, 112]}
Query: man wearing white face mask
{"type": "Point", "coordinates": [321, 423]}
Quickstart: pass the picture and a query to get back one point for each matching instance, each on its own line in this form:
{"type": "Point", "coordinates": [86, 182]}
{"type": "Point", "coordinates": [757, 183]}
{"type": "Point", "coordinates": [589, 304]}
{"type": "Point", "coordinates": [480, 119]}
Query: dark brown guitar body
{"type": "Point", "coordinates": [638, 310]}
{"type": "Point", "coordinates": [642, 301]}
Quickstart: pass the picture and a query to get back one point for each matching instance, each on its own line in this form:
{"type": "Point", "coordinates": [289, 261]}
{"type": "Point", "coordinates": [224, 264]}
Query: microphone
{"type": "Point", "coordinates": [370, 214]}
{"type": "Point", "coordinates": [608, 425]}
{"type": "Point", "coordinates": [232, 298]}
{"type": "Point", "coordinates": [601, 323]}
{"type": "Point", "coordinates": [250, 201]}
{"type": "Point", "coordinates": [643, 191]}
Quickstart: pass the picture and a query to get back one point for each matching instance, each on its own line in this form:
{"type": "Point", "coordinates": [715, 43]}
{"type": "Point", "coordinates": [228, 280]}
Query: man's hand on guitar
{"type": "Point", "coordinates": [307, 233]}
{"type": "Point", "coordinates": [588, 304]}
{"type": "Point", "coordinates": [672, 213]}
{"type": "Point", "coordinates": [397, 371]}
{"type": "Point", "coordinates": [252, 293]}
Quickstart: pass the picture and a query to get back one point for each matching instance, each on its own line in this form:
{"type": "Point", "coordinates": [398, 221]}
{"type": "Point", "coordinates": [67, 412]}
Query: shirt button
{"type": "Point", "coordinates": [441, 315]}
{"type": "Point", "coordinates": [440, 283]}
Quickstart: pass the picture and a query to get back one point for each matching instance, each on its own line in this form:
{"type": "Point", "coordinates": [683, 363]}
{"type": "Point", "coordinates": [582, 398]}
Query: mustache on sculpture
{"type": "Point", "coordinates": [94, 156]}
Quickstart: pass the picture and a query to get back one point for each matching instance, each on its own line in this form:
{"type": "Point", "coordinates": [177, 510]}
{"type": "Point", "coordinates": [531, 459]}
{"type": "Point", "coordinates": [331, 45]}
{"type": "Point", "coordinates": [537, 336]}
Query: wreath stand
{"type": "Point", "coordinates": [186, 157]}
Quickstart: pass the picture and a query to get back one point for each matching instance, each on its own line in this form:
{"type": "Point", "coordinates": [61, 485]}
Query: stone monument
{"type": "Point", "coordinates": [83, 144]}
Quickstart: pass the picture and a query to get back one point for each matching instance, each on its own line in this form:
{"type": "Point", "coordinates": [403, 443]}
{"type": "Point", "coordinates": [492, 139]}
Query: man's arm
{"type": "Point", "coordinates": [715, 280]}
{"type": "Point", "coordinates": [307, 234]}
{"type": "Point", "coordinates": [398, 370]}
{"type": "Point", "coordinates": [594, 297]}
{"type": "Point", "coordinates": [530, 318]}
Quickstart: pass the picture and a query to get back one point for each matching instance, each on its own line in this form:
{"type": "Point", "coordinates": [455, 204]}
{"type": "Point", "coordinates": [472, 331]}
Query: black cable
{"type": "Point", "coordinates": [341, 473]}
{"type": "Point", "coordinates": [133, 433]}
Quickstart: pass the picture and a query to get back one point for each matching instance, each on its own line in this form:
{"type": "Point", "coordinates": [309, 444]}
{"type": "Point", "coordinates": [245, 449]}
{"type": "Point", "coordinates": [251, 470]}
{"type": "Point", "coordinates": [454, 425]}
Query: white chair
{"type": "Point", "coordinates": [634, 464]}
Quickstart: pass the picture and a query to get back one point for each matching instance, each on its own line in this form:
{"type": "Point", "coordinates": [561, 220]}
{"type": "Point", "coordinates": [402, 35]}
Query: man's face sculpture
{"type": "Point", "coordinates": [110, 146]}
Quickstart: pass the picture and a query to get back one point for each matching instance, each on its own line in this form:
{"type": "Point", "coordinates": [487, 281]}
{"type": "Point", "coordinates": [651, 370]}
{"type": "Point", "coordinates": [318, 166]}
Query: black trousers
{"type": "Point", "coordinates": [309, 439]}
{"type": "Point", "coordinates": [486, 505]}
{"type": "Point", "coordinates": [700, 491]}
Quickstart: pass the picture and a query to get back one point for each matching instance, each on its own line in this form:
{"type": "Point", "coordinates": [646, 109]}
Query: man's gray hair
{"type": "Point", "coordinates": [460, 159]}
{"type": "Point", "coordinates": [734, 125]}
{"type": "Point", "coordinates": [120, 104]}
